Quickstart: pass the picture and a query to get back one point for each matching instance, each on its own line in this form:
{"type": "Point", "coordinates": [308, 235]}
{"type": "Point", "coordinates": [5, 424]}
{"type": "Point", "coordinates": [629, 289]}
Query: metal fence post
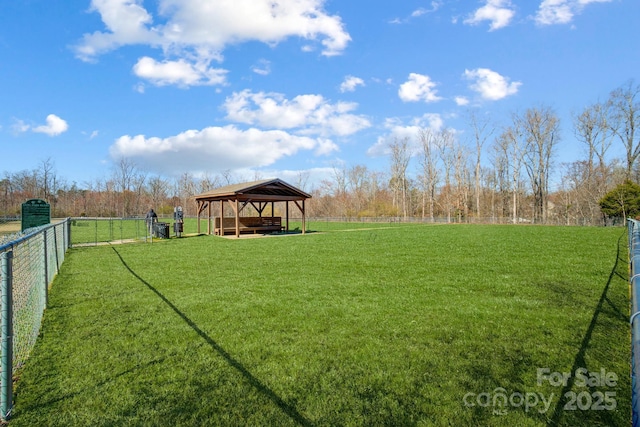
{"type": "Point", "coordinates": [67, 234]}
{"type": "Point", "coordinates": [634, 276]}
{"type": "Point", "coordinates": [6, 360]}
{"type": "Point", "coordinates": [46, 267]}
{"type": "Point", "coordinates": [55, 248]}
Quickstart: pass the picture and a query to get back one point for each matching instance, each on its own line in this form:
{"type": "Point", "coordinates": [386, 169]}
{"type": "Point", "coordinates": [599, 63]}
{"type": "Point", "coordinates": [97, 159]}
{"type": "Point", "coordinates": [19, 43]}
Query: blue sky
{"type": "Point", "coordinates": [274, 88]}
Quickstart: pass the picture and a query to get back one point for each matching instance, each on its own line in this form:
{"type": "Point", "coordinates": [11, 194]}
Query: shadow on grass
{"type": "Point", "coordinates": [93, 387]}
{"type": "Point", "coordinates": [256, 383]}
{"type": "Point", "coordinates": [579, 361]}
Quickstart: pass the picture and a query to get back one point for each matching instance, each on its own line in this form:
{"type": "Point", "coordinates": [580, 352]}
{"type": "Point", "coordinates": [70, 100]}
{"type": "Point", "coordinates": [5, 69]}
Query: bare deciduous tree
{"type": "Point", "coordinates": [47, 179]}
{"type": "Point", "coordinates": [357, 180]}
{"type": "Point", "coordinates": [541, 132]}
{"type": "Point", "coordinates": [446, 151]}
{"type": "Point", "coordinates": [340, 189]}
{"type": "Point", "coordinates": [430, 173]}
{"type": "Point", "coordinates": [228, 177]}
{"type": "Point", "coordinates": [462, 179]}
{"type": "Point", "coordinates": [510, 153]}
{"type": "Point", "coordinates": [592, 129]}
{"type": "Point", "coordinates": [139, 191]}
{"type": "Point", "coordinates": [158, 190]}
{"type": "Point", "coordinates": [624, 117]}
{"type": "Point", "coordinates": [400, 155]}
{"type": "Point", "coordinates": [481, 132]}
{"type": "Point", "coordinates": [208, 182]}
{"type": "Point", "coordinates": [185, 188]}
{"type": "Point", "coordinates": [124, 171]}
{"type": "Point", "coordinates": [302, 179]}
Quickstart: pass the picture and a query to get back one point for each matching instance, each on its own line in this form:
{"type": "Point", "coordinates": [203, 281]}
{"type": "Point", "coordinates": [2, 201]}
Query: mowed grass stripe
{"type": "Point", "coordinates": [374, 327]}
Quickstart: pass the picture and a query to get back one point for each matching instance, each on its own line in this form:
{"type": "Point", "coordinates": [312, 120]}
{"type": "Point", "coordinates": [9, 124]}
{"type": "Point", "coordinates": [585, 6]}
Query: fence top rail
{"type": "Point", "coordinates": [30, 233]}
{"type": "Point", "coordinates": [104, 218]}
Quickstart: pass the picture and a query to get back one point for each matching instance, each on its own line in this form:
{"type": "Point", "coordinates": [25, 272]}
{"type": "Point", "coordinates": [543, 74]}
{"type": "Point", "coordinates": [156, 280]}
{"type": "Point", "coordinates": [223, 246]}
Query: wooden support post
{"type": "Point", "coordinates": [301, 208]}
{"type": "Point", "coordinates": [208, 218]}
{"type": "Point", "coordinates": [198, 217]}
{"type": "Point", "coordinates": [221, 229]}
{"type": "Point", "coordinates": [304, 219]}
{"type": "Point", "coordinates": [287, 217]}
{"type": "Point", "coordinates": [237, 219]}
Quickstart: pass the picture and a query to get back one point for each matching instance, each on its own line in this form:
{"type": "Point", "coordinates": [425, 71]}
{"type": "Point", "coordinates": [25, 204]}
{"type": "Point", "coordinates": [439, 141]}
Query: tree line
{"type": "Point", "coordinates": [488, 173]}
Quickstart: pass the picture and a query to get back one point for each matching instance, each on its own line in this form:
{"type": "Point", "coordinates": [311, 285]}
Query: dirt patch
{"type": "Point", "coordinates": [10, 227]}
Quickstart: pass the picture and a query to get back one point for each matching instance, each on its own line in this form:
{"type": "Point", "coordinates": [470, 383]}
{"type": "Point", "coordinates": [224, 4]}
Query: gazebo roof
{"type": "Point", "coordinates": [260, 191]}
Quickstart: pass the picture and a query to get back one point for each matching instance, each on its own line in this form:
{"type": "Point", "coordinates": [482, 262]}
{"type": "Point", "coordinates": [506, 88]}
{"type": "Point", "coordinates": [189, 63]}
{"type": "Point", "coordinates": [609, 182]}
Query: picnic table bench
{"type": "Point", "coordinates": [248, 224]}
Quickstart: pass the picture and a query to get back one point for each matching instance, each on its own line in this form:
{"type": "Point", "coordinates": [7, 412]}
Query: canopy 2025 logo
{"type": "Point", "coordinates": [594, 397]}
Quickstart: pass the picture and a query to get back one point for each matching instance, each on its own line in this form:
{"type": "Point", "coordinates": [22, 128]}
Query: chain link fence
{"type": "Point", "coordinates": [94, 231]}
{"type": "Point", "coordinates": [454, 219]}
{"type": "Point", "coordinates": [28, 263]}
{"type": "Point", "coordinates": [88, 231]}
{"type": "Point", "coordinates": [634, 274]}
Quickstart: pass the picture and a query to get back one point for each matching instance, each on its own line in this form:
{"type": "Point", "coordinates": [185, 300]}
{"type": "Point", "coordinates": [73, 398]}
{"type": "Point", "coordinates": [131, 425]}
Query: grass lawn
{"type": "Point", "coordinates": [404, 325]}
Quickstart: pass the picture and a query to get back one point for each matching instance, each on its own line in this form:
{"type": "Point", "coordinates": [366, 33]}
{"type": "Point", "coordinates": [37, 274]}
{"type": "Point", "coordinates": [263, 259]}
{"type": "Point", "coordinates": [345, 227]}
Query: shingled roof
{"type": "Point", "coordinates": [263, 190]}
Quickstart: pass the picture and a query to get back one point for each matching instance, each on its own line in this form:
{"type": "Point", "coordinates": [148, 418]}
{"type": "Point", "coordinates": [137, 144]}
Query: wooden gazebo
{"type": "Point", "coordinates": [258, 194]}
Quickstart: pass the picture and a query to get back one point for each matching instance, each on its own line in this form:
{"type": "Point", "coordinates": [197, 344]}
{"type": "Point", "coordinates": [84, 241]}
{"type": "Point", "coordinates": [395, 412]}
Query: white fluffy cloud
{"type": "Point", "coordinates": [198, 32]}
{"type": "Point", "coordinates": [280, 128]}
{"type": "Point", "coordinates": [126, 22]}
{"type": "Point", "coordinates": [262, 67]}
{"type": "Point", "coordinates": [419, 87]}
{"type": "Point", "coordinates": [397, 129]}
{"type": "Point", "coordinates": [350, 84]}
{"type": "Point", "coordinates": [214, 148]}
{"type": "Point", "coordinates": [54, 126]}
{"type": "Point", "coordinates": [19, 126]}
{"type": "Point", "coordinates": [217, 24]}
{"type": "Point", "coordinates": [491, 85]}
{"type": "Point", "coordinates": [306, 114]}
{"type": "Point", "coordinates": [553, 12]}
{"type": "Point", "coordinates": [180, 72]}
{"type": "Point", "coordinates": [498, 12]}
{"type": "Point", "coordinates": [461, 101]}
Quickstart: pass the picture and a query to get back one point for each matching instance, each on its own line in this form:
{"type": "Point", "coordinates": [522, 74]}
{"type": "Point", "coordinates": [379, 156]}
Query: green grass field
{"type": "Point", "coordinates": [382, 325]}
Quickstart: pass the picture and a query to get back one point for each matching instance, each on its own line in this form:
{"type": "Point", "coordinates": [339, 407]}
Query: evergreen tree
{"type": "Point", "coordinates": [623, 201]}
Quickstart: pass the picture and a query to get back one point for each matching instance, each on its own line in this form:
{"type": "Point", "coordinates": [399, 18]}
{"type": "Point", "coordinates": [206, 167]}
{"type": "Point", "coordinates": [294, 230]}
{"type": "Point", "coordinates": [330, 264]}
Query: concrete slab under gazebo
{"type": "Point", "coordinates": [259, 195]}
